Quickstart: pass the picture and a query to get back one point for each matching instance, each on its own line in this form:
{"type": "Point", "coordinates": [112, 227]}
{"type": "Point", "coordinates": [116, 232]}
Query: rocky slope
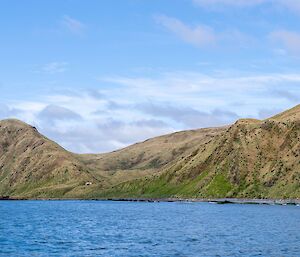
{"type": "Point", "coordinates": [249, 159]}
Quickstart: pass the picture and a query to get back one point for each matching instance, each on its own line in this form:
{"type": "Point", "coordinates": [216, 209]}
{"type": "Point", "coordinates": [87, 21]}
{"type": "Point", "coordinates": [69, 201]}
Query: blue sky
{"type": "Point", "coordinates": [99, 75]}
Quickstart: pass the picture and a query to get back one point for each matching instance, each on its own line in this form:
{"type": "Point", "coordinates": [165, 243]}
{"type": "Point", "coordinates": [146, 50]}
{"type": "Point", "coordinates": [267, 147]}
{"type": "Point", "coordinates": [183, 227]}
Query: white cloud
{"type": "Point", "coordinates": [73, 25]}
{"type": "Point", "coordinates": [137, 108]}
{"type": "Point", "coordinates": [199, 35]}
{"type": "Point", "coordinates": [207, 92]}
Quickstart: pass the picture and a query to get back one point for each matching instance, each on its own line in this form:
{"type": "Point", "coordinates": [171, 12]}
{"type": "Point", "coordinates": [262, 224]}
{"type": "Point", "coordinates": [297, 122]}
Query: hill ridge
{"type": "Point", "coordinates": [249, 159]}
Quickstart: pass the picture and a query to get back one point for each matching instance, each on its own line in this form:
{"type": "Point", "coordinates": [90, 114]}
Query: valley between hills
{"type": "Point", "coordinates": [249, 159]}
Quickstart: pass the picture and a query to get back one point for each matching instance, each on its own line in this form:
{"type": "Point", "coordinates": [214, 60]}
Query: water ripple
{"type": "Point", "coordinates": [96, 228]}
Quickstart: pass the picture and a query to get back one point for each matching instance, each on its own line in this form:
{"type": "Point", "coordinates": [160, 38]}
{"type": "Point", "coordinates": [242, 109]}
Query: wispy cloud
{"type": "Point", "coordinates": [200, 35]}
{"type": "Point", "coordinates": [189, 117]}
{"type": "Point", "coordinates": [137, 108]}
{"type": "Point", "coordinates": [73, 25]}
{"type": "Point", "coordinates": [203, 35]}
{"type": "Point", "coordinates": [54, 67]}
{"type": "Point", "coordinates": [291, 5]}
{"type": "Point", "coordinates": [290, 96]}
{"type": "Point", "coordinates": [236, 3]}
{"type": "Point", "coordinates": [208, 92]}
{"type": "Point", "coordinates": [6, 111]}
{"type": "Point", "coordinates": [290, 40]}
{"type": "Point", "coordinates": [54, 112]}
{"type": "Point", "coordinates": [267, 113]}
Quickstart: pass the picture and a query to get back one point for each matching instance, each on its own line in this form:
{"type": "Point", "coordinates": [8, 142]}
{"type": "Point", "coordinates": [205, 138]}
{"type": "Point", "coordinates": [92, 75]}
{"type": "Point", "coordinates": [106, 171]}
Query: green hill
{"type": "Point", "coordinates": [249, 159]}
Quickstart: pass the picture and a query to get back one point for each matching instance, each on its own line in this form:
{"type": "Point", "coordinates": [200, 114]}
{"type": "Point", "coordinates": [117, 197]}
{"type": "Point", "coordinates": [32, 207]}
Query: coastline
{"type": "Point", "coordinates": [191, 200]}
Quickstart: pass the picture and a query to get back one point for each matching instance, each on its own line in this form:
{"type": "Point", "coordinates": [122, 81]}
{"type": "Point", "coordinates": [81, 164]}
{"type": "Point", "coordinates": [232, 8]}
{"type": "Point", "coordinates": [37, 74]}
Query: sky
{"type": "Point", "coordinates": [96, 76]}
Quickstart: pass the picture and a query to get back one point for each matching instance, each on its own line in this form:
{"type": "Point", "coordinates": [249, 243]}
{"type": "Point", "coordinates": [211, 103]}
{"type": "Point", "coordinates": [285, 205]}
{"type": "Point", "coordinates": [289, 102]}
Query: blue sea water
{"type": "Point", "coordinates": [105, 228]}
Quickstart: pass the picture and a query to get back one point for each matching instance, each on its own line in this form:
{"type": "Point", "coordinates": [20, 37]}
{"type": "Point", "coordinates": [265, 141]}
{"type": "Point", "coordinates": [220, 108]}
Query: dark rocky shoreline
{"type": "Point", "coordinates": [191, 200]}
{"type": "Point", "coordinates": [217, 201]}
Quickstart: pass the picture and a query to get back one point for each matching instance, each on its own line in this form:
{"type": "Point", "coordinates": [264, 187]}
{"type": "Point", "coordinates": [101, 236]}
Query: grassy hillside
{"type": "Point", "coordinates": [148, 157]}
{"type": "Point", "coordinates": [33, 166]}
{"type": "Point", "coordinates": [249, 159]}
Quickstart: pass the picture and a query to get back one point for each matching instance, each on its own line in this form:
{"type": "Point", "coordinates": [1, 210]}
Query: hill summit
{"type": "Point", "coordinates": [248, 159]}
